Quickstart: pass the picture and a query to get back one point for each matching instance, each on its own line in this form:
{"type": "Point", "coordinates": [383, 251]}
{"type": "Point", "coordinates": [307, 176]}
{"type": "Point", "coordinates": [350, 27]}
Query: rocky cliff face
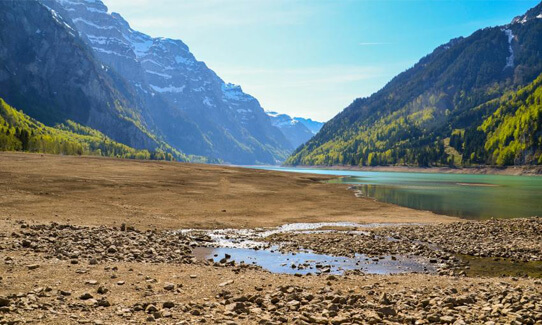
{"type": "Point", "coordinates": [226, 123]}
{"type": "Point", "coordinates": [50, 73]}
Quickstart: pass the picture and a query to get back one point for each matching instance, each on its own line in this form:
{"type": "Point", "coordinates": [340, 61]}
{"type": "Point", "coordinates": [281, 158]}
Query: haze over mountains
{"type": "Point", "coordinates": [297, 130]}
{"type": "Point", "coordinates": [84, 64]}
{"type": "Point", "coordinates": [475, 100]}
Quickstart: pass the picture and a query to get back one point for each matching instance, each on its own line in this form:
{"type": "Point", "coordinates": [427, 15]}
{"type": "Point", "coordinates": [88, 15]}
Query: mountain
{"type": "Point", "coordinates": [19, 132]}
{"type": "Point", "coordinates": [441, 111]}
{"type": "Point", "coordinates": [310, 124]}
{"type": "Point", "coordinates": [296, 132]}
{"type": "Point", "coordinates": [189, 105]}
{"type": "Point", "coordinates": [48, 71]}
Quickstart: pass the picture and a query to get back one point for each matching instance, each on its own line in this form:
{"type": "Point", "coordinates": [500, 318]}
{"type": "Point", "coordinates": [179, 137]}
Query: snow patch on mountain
{"type": "Point", "coordinates": [81, 20]}
{"type": "Point", "coordinates": [533, 13]}
{"type": "Point", "coordinates": [234, 92]}
{"type": "Point", "coordinates": [168, 89]}
{"type": "Point", "coordinates": [510, 58]}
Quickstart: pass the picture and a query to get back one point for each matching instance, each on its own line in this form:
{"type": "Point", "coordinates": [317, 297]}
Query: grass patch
{"type": "Point", "coordinates": [495, 267]}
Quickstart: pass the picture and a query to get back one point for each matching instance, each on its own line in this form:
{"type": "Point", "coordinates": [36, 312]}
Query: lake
{"type": "Point", "coordinates": [462, 195]}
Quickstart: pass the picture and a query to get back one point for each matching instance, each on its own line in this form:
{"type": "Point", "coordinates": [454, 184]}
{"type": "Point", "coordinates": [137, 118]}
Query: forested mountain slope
{"type": "Point", "coordinates": [453, 91]}
{"type": "Point", "coordinates": [19, 132]}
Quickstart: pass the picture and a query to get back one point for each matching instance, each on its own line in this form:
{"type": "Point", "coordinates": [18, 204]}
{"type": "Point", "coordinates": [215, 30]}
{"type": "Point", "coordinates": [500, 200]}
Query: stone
{"type": "Point", "coordinates": [102, 290]}
{"type": "Point", "coordinates": [169, 286]}
{"type": "Point", "coordinates": [168, 304]}
{"type": "Point", "coordinates": [223, 284]}
{"type": "Point", "coordinates": [103, 303]}
{"type": "Point", "coordinates": [151, 309]}
{"type": "Point", "coordinates": [4, 302]}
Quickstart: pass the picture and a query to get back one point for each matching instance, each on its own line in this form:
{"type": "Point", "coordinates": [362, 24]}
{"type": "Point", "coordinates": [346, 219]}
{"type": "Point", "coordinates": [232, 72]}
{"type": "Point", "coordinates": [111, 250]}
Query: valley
{"type": "Point", "coordinates": [139, 185]}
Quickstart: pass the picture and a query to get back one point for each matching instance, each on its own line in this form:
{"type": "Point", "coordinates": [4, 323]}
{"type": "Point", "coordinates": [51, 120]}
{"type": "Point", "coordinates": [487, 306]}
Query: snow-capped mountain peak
{"type": "Point", "coordinates": [165, 68]}
{"type": "Point", "coordinates": [534, 13]}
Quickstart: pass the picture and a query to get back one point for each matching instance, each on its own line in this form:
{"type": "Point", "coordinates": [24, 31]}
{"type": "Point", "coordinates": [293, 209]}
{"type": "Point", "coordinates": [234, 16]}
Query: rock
{"type": "Point", "coordinates": [4, 302]}
{"type": "Point", "coordinates": [33, 266]}
{"type": "Point", "coordinates": [447, 319]}
{"type": "Point", "coordinates": [91, 282]}
{"type": "Point", "coordinates": [193, 276]}
{"type": "Point", "coordinates": [223, 284]}
{"type": "Point", "coordinates": [85, 296]}
{"type": "Point", "coordinates": [384, 300]}
{"type": "Point", "coordinates": [103, 303]}
{"type": "Point", "coordinates": [168, 304]}
{"type": "Point", "coordinates": [237, 307]}
{"type": "Point", "coordinates": [169, 286]}
{"type": "Point", "coordinates": [102, 290]}
{"type": "Point", "coordinates": [151, 309]}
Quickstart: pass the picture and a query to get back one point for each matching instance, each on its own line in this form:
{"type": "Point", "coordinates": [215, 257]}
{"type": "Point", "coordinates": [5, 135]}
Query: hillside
{"type": "Point", "coordinates": [448, 97]}
{"type": "Point", "coordinates": [19, 132]}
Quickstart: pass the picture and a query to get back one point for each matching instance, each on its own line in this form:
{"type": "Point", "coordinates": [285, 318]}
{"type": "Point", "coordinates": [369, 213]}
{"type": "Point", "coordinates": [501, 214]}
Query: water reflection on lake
{"type": "Point", "coordinates": [462, 195]}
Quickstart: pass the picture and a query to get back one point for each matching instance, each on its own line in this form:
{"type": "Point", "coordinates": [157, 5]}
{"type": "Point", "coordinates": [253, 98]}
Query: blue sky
{"type": "Point", "coordinates": [313, 58]}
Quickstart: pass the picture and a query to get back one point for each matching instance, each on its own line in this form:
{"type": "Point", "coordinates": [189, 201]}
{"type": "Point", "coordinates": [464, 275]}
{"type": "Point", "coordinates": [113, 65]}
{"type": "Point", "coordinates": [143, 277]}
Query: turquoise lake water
{"type": "Point", "coordinates": [461, 195]}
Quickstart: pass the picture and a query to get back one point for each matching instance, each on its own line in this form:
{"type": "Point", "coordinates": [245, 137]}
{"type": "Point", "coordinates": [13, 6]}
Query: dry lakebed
{"type": "Point", "coordinates": [94, 241]}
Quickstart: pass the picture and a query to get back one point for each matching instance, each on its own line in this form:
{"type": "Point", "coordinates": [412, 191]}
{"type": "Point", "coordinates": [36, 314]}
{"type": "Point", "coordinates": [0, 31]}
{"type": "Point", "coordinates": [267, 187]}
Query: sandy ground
{"type": "Point", "coordinates": [169, 195]}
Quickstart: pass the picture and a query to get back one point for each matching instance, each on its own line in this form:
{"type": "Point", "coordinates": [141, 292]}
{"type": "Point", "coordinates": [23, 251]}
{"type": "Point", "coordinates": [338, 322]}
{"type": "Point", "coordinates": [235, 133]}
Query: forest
{"type": "Point", "coordinates": [509, 134]}
{"type": "Point", "coordinates": [19, 132]}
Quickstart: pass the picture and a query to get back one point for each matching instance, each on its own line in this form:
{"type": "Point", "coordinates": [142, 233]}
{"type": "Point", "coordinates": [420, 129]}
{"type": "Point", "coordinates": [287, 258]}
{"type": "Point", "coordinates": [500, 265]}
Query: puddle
{"type": "Point", "coordinates": [308, 262]}
{"type": "Point", "coordinates": [249, 238]}
{"type": "Point", "coordinates": [246, 246]}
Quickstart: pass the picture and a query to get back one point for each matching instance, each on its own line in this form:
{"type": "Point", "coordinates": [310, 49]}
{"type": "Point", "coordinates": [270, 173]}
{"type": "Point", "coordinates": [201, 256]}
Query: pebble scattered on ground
{"type": "Point", "coordinates": [367, 299]}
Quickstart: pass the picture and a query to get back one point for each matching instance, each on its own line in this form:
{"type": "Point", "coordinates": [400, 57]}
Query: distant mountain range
{"type": "Point", "coordinates": [473, 101]}
{"type": "Point", "coordinates": [297, 130]}
{"type": "Point", "coordinates": [72, 60]}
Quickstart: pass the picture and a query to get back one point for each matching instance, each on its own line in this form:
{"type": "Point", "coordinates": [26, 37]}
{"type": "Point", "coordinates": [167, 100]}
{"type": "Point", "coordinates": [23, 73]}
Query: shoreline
{"type": "Point", "coordinates": [171, 195]}
{"type": "Point", "coordinates": [482, 170]}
